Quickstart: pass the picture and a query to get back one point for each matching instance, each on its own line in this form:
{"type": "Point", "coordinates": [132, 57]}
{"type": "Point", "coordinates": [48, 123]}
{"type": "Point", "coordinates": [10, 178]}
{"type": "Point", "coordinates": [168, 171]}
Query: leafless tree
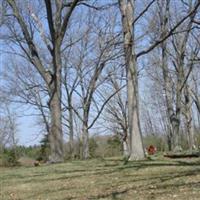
{"type": "Point", "coordinates": [8, 127]}
{"type": "Point", "coordinates": [116, 109]}
{"type": "Point", "coordinates": [129, 20]}
{"type": "Point", "coordinates": [57, 17]}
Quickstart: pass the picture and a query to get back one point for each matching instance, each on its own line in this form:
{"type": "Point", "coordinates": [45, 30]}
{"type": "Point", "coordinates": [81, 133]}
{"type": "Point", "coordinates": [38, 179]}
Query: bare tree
{"type": "Point", "coordinates": [90, 80]}
{"type": "Point", "coordinates": [136, 146]}
{"type": "Point", "coordinates": [26, 88]}
{"type": "Point", "coordinates": [116, 111]}
{"type": "Point", "coordinates": [58, 15]}
{"type": "Point", "coordinates": [179, 42]}
{"type": "Point", "coordinates": [70, 81]}
{"type": "Point", "coordinates": [8, 127]}
{"type": "Point", "coordinates": [129, 20]}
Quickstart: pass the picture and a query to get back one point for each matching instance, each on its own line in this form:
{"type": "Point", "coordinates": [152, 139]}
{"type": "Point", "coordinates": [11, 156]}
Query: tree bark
{"type": "Point", "coordinates": [164, 17]}
{"type": "Point", "coordinates": [85, 141]}
{"type": "Point", "coordinates": [188, 118]}
{"type": "Point", "coordinates": [126, 151]}
{"type": "Point", "coordinates": [56, 134]}
{"type": "Point", "coordinates": [176, 117]}
{"type": "Point", "coordinates": [71, 131]}
{"type": "Point", "coordinates": [136, 144]}
{"type": "Point", "coordinates": [137, 150]}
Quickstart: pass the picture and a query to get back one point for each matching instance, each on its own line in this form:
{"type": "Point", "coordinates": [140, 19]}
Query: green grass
{"type": "Point", "coordinates": [104, 180]}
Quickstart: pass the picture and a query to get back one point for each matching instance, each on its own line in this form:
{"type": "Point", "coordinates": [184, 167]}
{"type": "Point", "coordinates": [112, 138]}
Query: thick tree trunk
{"type": "Point", "coordinates": [176, 123]}
{"type": "Point", "coordinates": [164, 18]}
{"type": "Point", "coordinates": [85, 140]}
{"type": "Point", "coordinates": [136, 150]}
{"type": "Point", "coordinates": [168, 96]}
{"type": "Point", "coordinates": [188, 118]}
{"type": "Point", "coordinates": [169, 140]}
{"type": "Point", "coordinates": [136, 145]}
{"type": "Point", "coordinates": [175, 119]}
{"type": "Point", "coordinates": [56, 137]}
{"type": "Point", "coordinates": [126, 152]}
{"type": "Point", "coordinates": [56, 134]}
{"type": "Point", "coordinates": [175, 116]}
{"type": "Point", "coordinates": [169, 134]}
{"type": "Point", "coordinates": [125, 142]}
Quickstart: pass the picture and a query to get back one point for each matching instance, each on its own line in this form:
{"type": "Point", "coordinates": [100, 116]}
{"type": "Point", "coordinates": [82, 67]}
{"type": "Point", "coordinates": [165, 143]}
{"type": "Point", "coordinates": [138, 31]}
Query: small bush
{"type": "Point", "coordinates": [114, 146]}
{"type": "Point", "coordinates": [9, 158]}
{"type": "Point", "coordinates": [44, 151]}
{"type": "Point", "coordinates": [92, 147]}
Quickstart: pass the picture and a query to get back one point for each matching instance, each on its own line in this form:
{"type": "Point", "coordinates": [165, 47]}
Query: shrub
{"type": "Point", "coordinates": [92, 147]}
{"type": "Point", "coordinates": [114, 146]}
{"type": "Point", "coordinates": [44, 151]}
{"type": "Point", "coordinates": [10, 157]}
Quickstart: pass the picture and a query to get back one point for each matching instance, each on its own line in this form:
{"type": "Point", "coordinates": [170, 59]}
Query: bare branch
{"type": "Point", "coordinates": [104, 104]}
{"type": "Point", "coordinates": [143, 12]}
{"type": "Point", "coordinates": [194, 10]}
{"type": "Point", "coordinates": [67, 17]}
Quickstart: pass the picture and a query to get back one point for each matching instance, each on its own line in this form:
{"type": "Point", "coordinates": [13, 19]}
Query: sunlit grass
{"type": "Point", "coordinates": [103, 179]}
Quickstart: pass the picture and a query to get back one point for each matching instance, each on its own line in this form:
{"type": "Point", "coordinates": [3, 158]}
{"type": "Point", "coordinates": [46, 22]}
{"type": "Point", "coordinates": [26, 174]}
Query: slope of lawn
{"type": "Point", "coordinates": [104, 179]}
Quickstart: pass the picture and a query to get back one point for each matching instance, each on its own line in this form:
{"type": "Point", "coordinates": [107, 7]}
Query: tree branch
{"type": "Point", "coordinates": [169, 33]}
{"type": "Point", "coordinates": [34, 53]}
{"type": "Point", "coordinates": [143, 12]}
{"type": "Point", "coordinates": [50, 19]}
{"type": "Point", "coordinates": [67, 17]}
{"type": "Point", "coordinates": [104, 104]}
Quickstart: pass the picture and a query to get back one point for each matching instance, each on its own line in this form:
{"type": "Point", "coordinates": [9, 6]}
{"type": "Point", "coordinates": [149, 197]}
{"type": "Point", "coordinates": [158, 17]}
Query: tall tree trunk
{"type": "Point", "coordinates": [136, 144]}
{"type": "Point", "coordinates": [85, 140]}
{"type": "Point", "coordinates": [56, 134]}
{"type": "Point", "coordinates": [168, 99]}
{"type": "Point", "coordinates": [176, 118]}
{"type": "Point", "coordinates": [126, 149]}
{"type": "Point", "coordinates": [71, 130]}
{"type": "Point", "coordinates": [136, 151]}
{"type": "Point", "coordinates": [188, 118]}
{"type": "Point", "coordinates": [164, 18]}
{"type": "Point", "coordinates": [56, 137]}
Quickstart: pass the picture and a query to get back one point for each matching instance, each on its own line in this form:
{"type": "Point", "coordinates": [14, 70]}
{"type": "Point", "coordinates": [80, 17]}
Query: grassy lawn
{"type": "Point", "coordinates": [104, 180]}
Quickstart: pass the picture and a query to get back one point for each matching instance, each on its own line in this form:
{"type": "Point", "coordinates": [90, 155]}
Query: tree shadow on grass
{"type": "Point", "coordinates": [160, 180]}
{"type": "Point", "coordinates": [149, 164]}
{"type": "Point", "coordinates": [110, 170]}
{"type": "Point", "coordinates": [50, 192]}
{"type": "Point", "coordinates": [68, 175]}
{"type": "Point", "coordinates": [157, 181]}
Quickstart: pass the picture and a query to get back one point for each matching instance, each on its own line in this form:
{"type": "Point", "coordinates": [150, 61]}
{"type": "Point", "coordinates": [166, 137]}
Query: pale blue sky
{"type": "Point", "coordinates": [27, 131]}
